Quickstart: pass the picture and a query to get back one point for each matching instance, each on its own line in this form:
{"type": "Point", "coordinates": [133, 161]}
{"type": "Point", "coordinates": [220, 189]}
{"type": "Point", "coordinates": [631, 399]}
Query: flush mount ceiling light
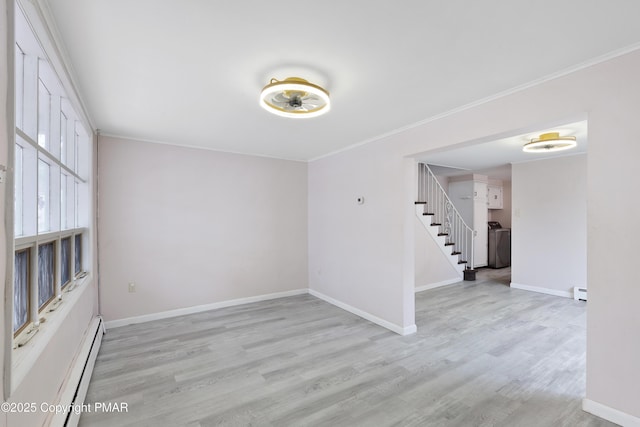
{"type": "Point", "coordinates": [294, 97]}
{"type": "Point", "coordinates": [549, 142]}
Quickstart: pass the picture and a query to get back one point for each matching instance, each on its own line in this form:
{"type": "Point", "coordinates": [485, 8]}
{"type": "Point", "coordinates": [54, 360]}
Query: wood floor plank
{"type": "Point", "coordinates": [484, 355]}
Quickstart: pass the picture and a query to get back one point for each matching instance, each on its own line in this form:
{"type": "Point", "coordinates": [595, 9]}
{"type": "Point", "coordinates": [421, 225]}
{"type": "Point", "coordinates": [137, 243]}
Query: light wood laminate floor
{"type": "Point", "coordinates": [484, 355]}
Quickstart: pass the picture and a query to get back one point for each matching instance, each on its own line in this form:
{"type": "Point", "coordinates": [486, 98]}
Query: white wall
{"type": "Point", "coordinates": [193, 227]}
{"type": "Point", "coordinates": [613, 210]}
{"type": "Point", "coordinates": [357, 255]}
{"type": "Point", "coordinates": [549, 229]}
{"type": "Point", "coordinates": [461, 195]}
{"type": "Point", "coordinates": [356, 252]}
{"type": "Point", "coordinates": [444, 182]}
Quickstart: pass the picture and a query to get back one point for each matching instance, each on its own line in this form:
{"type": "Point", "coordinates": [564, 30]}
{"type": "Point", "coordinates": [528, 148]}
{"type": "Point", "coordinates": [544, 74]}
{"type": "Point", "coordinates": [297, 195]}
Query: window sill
{"type": "Point", "coordinates": [31, 343]}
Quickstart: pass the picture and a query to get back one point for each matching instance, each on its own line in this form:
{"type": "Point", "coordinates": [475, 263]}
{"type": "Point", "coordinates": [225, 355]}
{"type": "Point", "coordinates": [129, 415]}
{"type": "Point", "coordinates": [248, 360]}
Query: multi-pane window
{"type": "Point", "coordinates": [52, 166]}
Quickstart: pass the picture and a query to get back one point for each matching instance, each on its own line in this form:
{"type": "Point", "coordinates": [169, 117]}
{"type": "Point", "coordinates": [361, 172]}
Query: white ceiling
{"type": "Point", "coordinates": [494, 158]}
{"type": "Point", "coordinates": [189, 72]}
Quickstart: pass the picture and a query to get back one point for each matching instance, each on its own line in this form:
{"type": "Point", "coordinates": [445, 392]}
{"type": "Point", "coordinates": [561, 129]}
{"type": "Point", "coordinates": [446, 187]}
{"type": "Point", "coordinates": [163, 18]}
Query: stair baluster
{"type": "Point", "coordinates": [458, 235]}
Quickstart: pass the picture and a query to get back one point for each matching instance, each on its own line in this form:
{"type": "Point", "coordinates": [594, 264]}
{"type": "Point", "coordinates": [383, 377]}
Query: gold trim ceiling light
{"type": "Point", "coordinates": [549, 142]}
{"type": "Point", "coordinates": [294, 97]}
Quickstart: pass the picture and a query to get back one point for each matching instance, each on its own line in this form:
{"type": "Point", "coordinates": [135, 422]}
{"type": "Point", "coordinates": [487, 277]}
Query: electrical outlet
{"type": "Point", "coordinates": [132, 287]}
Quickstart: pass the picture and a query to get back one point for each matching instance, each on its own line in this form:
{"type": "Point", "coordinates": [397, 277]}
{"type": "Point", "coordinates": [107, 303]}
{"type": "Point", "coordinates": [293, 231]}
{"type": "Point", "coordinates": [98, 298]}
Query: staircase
{"type": "Point", "coordinates": [442, 221]}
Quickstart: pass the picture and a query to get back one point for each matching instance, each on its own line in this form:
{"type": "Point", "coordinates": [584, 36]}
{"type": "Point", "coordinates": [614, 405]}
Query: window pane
{"type": "Point", "coordinates": [29, 184]}
{"type": "Point", "coordinates": [43, 196]}
{"type": "Point", "coordinates": [76, 203]}
{"type": "Point", "coordinates": [76, 143]}
{"type": "Point", "coordinates": [78, 254]}
{"type": "Point", "coordinates": [70, 201]}
{"type": "Point", "coordinates": [64, 220]}
{"type": "Point", "coordinates": [65, 261]}
{"type": "Point", "coordinates": [21, 290]}
{"type": "Point", "coordinates": [44, 115]}
{"type": "Point", "coordinates": [19, 86]}
{"type": "Point", "coordinates": [45, 273]}
{"type": "Point", "coordinates": [19, 192]}
{"type": "Point", "coordinates": [70, 139]}
{"type": "Point", "coordinates": [63, 137]}
{"type": "Point", "coordinates": [55, 197]}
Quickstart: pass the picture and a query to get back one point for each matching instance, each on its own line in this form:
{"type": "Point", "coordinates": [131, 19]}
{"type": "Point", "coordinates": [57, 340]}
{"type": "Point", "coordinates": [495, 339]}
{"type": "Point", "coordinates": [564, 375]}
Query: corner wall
{"type": "Point", "coordinates": [193, 227]}
{"type": "Point", "coordinates": [356, 250]}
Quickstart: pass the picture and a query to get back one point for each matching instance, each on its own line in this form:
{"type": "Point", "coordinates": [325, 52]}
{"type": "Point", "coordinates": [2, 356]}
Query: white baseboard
{"type": "Point", "coordinates": [206, 307]}
{"type": "Point", "coordinates": [200, 308]}
{"type": "Point", "coordinates": [548, 291]}
{"type": "Point", "coordinates": [365, 315]}
{"type": "Point", "coordinates": [75, 387]}
{"type": "Point", "coordinates": [610, 414]}
{"type": "Point", "coordinates": [438, 284]}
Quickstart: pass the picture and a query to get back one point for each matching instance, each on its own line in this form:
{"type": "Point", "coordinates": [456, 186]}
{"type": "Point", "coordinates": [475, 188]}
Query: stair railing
{"type": "Point", "coordinates": [457, 233]}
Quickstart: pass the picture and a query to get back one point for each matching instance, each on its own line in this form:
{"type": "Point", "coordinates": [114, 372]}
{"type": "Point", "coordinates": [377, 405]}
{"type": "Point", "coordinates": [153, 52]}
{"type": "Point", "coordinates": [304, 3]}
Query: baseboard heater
{"type": "Point", "coordinates": [75, 390]}
{"type": "Point", "coordinates": [579, 294]}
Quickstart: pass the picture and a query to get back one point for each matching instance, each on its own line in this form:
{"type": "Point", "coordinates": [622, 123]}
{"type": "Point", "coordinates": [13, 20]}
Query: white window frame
{"type": "Point", "coordinates": [46, 153]}
{"type": "Point", "coordinates": [32, 55]}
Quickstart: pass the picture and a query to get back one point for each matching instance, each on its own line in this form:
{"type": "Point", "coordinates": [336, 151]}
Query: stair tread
{"type": "Point", "coordinates": [443, 234]}
{"type": "Point", "coordinates": [449, 244]}
{"type": "Point", "coordinates": [436, 224]}
{"type": "Point", "coordinates": [427, 213]}
{"type": "Point", "coordinates": [421, 203]}
{"type": "Point", "coordinates": [456, 253]}
{"type": "Point", "coordinates": [462, 262]}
